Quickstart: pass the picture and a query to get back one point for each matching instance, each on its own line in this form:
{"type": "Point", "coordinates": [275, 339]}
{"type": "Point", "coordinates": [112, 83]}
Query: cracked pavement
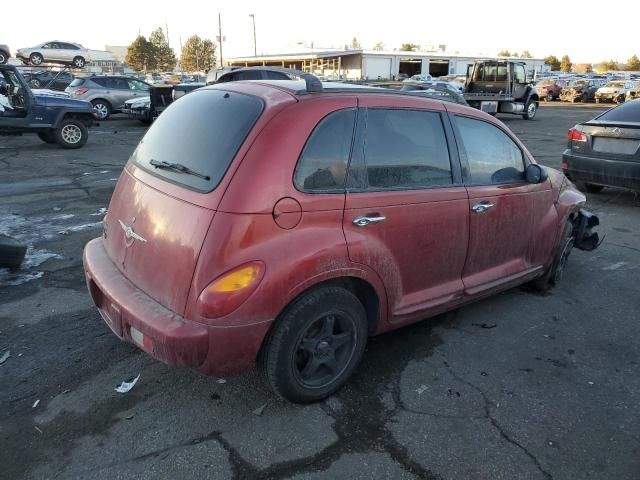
{"type": "Point", "coordinates": [518, 386]}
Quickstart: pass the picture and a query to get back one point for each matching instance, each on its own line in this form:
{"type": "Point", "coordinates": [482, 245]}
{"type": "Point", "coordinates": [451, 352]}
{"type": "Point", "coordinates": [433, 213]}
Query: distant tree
{"type": "Point", "coordinates": [198, 54]}
{"type": "Point", "coordinates": [582, 68]}
{"type": "Point", "coordinates": [633, 64]}
{"type": "Point", "coordinates": [565, 64]}
{"type": "Point", "coordinates": [164, 56]}
{"type": "Point", "coordinates": [553, 62]}
{"type": "Point", "coordinates": [526, 54]}
{"type": "Point", "coordinates": [515, 54]}
{"type": "Point", "coordinates": [504, 53]}
{"type": "Point", "coordinates": [355, 44]}
{"type": "Point", "coordinates": [609, 65]}
{"type": "Point", "coordinates": [409, 47]}
{"type": "Point", "coordinates": [140, 55]}
{"type": "Point", "coordinates": [378, 47]}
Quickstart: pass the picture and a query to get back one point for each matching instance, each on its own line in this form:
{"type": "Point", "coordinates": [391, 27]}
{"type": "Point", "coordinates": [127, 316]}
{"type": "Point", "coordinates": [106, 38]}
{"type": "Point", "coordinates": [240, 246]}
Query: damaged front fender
{"type": "Point", "coordinates": [585, 238]}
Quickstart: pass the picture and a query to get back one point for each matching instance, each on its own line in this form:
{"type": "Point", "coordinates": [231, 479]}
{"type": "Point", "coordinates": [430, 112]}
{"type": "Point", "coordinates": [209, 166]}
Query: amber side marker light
{"type": "Point", "coordinates": [229, 291]}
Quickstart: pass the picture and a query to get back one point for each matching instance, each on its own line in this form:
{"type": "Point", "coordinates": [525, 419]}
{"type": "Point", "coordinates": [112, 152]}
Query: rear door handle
{"type": "Point", "coordinates": [363, 220]}
{"type": "Point", "coordinates": [482, 207]}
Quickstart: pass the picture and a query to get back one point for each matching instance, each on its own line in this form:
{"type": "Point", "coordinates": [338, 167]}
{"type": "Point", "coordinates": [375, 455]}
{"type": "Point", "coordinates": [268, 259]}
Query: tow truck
{"type": "Point", "coordinates": [500, 86]}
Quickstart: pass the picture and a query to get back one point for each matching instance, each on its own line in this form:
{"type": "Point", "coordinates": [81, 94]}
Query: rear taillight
{"type": "Point", "coordinates": [230, 290]}
{"type": "Point", "coordinates": [81, 91]}
{"type": "Point", "coordinates": [576, 135]}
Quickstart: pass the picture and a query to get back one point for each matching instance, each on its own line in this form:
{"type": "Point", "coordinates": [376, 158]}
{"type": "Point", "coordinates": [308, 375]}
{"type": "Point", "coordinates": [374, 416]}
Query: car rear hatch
{"type": "Point", "coordinates": [164, 201]}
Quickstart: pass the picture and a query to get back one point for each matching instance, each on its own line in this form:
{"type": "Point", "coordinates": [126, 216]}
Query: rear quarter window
{"type": "Point", "coordinates": [202, 131]}
{"type": "Point", "coordinates": [77, 82]}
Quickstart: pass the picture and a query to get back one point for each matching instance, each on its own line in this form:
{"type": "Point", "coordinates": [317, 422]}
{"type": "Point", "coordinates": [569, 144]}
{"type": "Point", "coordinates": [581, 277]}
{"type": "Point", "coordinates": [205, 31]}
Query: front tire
{"type": "Point", "coordinates": [316, 344]}
{"type": "Point", "coordinates": [102, 108]}
{"type": "Point", "coordinates": [530, 109]}
{"type": "Point", "coordinates": [36, 59]}
{"type": "Point", "coordinates": [548, 97]}
{"type": "Point", "coordinates": [4, 58]}
{"type": "Point", "coordinates": [552, 276]}
{"type": "Point", "coordinates": [71, 133]}
{"type": "Point", "coordinates": [78, 62]}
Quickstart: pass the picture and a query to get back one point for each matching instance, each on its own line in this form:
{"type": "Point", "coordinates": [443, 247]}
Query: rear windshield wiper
{"type": "Point", "coordinates": [178, 167]}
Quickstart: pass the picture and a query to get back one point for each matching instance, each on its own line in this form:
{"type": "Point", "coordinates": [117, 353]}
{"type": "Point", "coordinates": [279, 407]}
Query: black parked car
{"type": "Point", "coordinates": [48, 79]}
{"type": "Point", "coordinates": [605, 151]}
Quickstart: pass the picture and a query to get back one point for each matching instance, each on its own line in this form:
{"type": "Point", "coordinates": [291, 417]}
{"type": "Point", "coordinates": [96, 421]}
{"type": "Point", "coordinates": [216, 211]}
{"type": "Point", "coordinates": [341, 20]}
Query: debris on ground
{"type": "Point", "coordinates": [260, 410]}
{"type": "Point", "coordinates": [35, 404]}
{"type": "Point", "coordinates": [39, 431]}
{"type": "Point", "coordinates": [483, 325]}
{"type": "Point", "coordinates": [130, 416]}
{"type": "Point", "coordinates": [5, 356]}
{"type": "Point", "coordinates": [127, 385]}
{"type": "Point", "coordinates": [421, 389]}
{"type": "Point", "coordinates": [63, 232]}
{"type": "Point", "coordinates": [221, 380]}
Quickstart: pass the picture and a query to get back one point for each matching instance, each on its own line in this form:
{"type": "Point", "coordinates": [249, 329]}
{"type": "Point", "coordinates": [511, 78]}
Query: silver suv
{"type": "Point", "coordinates": [107, 93]}
{"type": "Point", "coordinates": [55, 52]}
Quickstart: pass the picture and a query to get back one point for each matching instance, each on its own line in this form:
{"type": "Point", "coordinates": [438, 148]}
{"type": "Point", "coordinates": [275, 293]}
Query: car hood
{"type": "Point", "coordinates": [49, 92]}
{"type": "Point", "coordinates": [577, 88]}
{"type": "Point", "coordinates": [63, 102]}
{"type": "Point", "coordinates": [610, 89]}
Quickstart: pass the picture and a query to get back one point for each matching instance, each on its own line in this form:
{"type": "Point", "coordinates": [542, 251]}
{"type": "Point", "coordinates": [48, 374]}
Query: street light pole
{"type": "Point", "coordinates": [255, 49]}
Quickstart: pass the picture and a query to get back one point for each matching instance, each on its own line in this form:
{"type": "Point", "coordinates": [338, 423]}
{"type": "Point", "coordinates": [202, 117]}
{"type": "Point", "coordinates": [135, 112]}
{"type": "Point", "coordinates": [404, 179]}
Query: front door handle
{"type": "Point", "coordinates": [363, 221]}
{"type": "Point", "coordinates": [482, 207]}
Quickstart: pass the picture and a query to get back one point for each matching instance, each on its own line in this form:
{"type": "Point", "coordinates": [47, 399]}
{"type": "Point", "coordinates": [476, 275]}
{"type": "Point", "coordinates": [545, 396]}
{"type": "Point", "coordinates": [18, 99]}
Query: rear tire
{"type": "Point", "coordinates": [4, 58]}
{"type": "Point", "coordinates": [78, 62]}
{"type": "Point", "coordinates": [548, 97]}
{"type": "Point", "coordinates": [552, 276]}
{"type": "Point", "coordinates": [36, 59]}
{"type": "Point", "coordinates": [71, 133]}
{"type": "Point", "coordinates": [102, 107]}
{"type": "Point", "coordinates": [315, 345]}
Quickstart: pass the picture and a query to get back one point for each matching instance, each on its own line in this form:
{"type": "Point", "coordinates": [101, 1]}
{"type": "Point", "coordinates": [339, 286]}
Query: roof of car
{"type": "Point", "coordinates": [299, 88]}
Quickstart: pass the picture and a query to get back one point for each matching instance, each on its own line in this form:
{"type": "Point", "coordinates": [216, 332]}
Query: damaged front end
{"type": "Point", "coordinates": [583, 224]}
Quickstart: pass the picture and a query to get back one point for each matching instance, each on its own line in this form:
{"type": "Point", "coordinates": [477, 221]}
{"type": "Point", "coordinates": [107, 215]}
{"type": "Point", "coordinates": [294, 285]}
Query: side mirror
{"type": "Point", "coordinates": [536, 173]}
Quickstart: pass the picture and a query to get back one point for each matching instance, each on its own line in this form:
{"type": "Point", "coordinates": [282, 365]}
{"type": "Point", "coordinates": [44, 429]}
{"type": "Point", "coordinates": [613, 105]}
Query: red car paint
{"type": "Point", "coordinates": [431, 255]}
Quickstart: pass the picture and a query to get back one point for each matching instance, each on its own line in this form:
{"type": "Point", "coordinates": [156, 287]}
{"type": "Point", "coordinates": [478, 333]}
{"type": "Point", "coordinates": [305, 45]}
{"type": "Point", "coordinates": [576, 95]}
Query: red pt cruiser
{"type": "Point", "coordinates": [283, 222]}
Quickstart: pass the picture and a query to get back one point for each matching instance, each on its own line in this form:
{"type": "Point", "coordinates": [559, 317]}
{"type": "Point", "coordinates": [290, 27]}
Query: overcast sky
{"type": "Point", "coordinates": [580, 32]}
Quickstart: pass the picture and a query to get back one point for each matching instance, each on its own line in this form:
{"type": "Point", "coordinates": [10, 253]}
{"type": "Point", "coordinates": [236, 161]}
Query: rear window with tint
{"type": "Point", "coordinates": [627, 112]}
{"type": "Point", "coordinates": [77, 82]}
{"type": "Point", "coordinates": [202, 131]}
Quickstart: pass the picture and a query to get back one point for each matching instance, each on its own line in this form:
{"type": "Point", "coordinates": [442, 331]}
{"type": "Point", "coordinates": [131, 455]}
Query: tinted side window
{"type": "Point", "coordinates": [269, 75]}
{"type": "Point", "coordinates": [120, 83]}
{"type": "Point", "coordinates": [406, 149]}
{"type": "Point", "coordinates": [322, 166]}
{"type": "Point", "coordinates": [492, 156]}
{"type": "Point", "coordinates": [519, 74]}
{"type": "Point", "coordinates": [102, 81]}
{"type": "Point", "coordinates": [249, 75]}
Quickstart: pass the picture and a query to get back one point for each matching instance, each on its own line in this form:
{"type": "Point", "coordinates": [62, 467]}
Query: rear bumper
{"type": "Point", "coordinates": [169, 337]}
{"type": "Point", "coordinates": [601, 171]}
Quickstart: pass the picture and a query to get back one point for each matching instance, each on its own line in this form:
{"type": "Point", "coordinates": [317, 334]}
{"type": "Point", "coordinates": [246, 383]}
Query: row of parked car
{"type": "Point", "coordinates": [588, 90]}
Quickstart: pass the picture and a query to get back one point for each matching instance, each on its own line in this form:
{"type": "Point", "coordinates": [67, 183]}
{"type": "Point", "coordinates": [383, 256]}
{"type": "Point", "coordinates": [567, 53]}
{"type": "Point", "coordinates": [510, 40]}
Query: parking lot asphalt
{"type": "Point", "coordinates": [520, 385]}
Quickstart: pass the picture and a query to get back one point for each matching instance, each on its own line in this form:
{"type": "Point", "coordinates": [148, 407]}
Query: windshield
{"type": "Point", "coordinates": [615, 84]}
{"type": "Point", "coordinates": [547, 82]}
{"type": "Point", "coordinates": [202, 131]}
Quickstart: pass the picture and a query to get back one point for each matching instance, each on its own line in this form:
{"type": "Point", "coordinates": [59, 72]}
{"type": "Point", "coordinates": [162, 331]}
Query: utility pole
{"type": "Point", "coordinates": [220, 37]}
{"type": "Point", "coordinates": [255, 49]}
